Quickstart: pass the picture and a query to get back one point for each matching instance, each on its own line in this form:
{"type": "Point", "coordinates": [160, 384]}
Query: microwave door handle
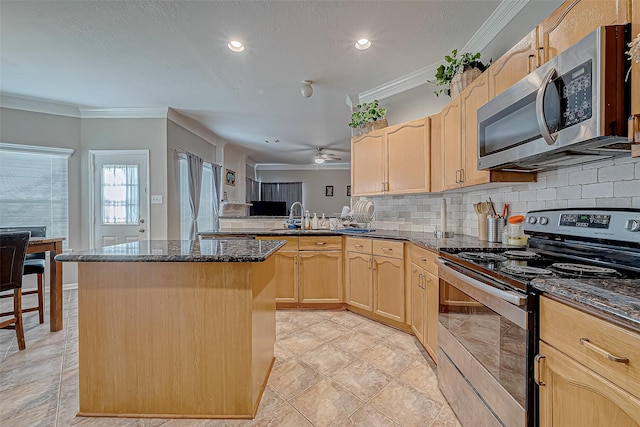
{"type": "Point", "coordinates": [542, 123]}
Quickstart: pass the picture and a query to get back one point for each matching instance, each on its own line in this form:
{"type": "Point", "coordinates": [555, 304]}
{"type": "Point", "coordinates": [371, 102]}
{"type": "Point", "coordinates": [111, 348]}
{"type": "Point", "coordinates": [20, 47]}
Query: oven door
{"type": "Point", "coordinates": [484, 332]}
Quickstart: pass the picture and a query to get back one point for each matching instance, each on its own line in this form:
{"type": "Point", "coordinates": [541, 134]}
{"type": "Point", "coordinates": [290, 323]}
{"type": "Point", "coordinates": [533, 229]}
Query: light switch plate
{"type": "Point", "coordinates": [156, 199]}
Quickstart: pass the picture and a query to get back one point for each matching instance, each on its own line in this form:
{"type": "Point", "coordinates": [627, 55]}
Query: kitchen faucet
{"type": "Point", "coordinates": [291, 221]}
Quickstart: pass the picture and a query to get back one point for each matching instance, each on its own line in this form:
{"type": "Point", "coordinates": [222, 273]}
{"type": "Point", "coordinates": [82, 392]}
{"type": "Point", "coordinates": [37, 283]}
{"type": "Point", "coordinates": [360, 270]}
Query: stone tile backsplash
{"type": "Point", "coordinates": [606, 183]}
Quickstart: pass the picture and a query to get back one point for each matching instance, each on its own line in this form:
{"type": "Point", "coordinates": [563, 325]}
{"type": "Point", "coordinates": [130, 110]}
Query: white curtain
{"type": "Point", "coordinates": [216, 172]}
{"type": "Point", "coordinates": [195, 165]}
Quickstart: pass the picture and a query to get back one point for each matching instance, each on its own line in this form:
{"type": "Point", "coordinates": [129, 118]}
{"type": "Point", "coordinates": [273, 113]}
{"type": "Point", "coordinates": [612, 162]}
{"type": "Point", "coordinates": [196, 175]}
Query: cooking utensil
{"type": "Point", "coordinates": [492, 210]}
{"type": "Point", "coordinates": [505, 210]}
{"type": "Point", "coordinates": [482, 210]}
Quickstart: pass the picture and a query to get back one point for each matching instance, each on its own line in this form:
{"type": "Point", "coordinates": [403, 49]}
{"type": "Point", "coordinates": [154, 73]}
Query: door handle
{"type": "Point", "coordinates": [141, 221]}
{"type": "Point", "coordinates": [141, 230]}
{"type": "Point", "coordinates": [529, 63]}
{"type": "Point", "coordinates": [536, 370]}
{"type": "Point", "coordinates": [602, 352]}
{"type": "Point", "coordinates": [542, 123]}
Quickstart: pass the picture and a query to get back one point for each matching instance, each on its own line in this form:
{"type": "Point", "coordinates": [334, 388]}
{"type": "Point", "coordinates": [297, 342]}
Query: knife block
{"type": "Point", "coordinates": [482, 226]}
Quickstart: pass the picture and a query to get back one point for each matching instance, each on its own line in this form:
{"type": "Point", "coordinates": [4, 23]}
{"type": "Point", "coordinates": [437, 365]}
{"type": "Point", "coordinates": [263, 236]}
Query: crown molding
{"type": "Point", "coordinates": [193, 126]}
{"type": "Point", "coordinates": [124, 113]}
{"type": "Point", "coordinates": [36, 105]}
{"type": "Point", "coordinates": [285, 167]}
{"type": "Point", "coordinates": [501, 16]}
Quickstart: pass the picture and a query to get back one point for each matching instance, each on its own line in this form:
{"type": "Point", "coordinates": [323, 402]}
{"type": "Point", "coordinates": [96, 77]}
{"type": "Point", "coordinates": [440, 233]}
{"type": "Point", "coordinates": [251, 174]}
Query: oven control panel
{"type": "Point", "coordinates": [606, 223]}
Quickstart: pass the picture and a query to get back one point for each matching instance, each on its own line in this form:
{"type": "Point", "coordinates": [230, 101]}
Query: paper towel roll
{"type": "Point", "coordinates": [443, 216]}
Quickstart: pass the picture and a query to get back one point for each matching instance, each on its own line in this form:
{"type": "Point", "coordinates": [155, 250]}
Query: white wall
{"type": "Point", "coordinates": [128, 134]}
{"type": "Point", "coordinates": [235, 160]}
{"type": "Point", "coordinates": [314, 184]}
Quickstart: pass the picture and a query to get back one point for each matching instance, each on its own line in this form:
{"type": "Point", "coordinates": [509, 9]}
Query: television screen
{"type": "Point", "coordinates": [261, 208]}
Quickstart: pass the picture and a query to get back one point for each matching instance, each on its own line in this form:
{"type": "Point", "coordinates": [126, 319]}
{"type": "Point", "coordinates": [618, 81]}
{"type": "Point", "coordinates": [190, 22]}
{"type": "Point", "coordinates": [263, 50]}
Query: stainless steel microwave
{"type": "Point", "coordinates": [572, 109]}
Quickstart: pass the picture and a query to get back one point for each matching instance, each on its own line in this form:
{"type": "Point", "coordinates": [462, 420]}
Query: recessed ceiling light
{"type": "Point", "coordinates": [319, 160]}
{"type": "Point", "coordinates": [363, 44]}
{"type": "Point", "coordinates": [235, 46]}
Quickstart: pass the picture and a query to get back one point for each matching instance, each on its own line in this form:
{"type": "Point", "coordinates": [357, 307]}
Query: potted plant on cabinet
{"type": "Point", "coordinates": [458, 72]}
{"type": "Point", "coordinates": [369, 116]}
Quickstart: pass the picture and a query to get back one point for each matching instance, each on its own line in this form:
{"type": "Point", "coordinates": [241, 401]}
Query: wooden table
{"type": "Point", "coordinates": [53, 245]}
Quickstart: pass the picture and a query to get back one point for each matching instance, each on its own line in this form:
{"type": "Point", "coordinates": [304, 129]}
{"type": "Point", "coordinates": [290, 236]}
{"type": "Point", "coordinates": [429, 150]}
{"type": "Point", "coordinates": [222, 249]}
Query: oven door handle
{"type": "Point", "coordinates": [507, 296]}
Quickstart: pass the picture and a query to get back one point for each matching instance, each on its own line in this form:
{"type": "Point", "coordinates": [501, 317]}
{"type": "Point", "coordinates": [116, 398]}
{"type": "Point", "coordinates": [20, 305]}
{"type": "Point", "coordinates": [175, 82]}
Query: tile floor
{"type": "Point", "coordinates": [333, 368]}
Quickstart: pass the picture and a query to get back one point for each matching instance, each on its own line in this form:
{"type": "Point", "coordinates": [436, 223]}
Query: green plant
{"type": "Point", "coordinates": [455, 64]}
{"type": "Point", "coordinates": [367, 113]}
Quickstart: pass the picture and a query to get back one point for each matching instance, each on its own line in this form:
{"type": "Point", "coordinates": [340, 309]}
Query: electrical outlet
{"type": "Point", "coordinates": [156, 199]}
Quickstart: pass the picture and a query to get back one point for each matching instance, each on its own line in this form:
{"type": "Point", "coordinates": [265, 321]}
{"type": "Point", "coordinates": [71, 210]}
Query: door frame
{"type": "Point", "coordinates": [93, 154]}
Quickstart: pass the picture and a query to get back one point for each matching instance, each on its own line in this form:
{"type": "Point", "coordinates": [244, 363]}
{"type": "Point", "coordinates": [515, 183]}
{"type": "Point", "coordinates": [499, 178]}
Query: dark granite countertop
{"type": "Point", "coordinates": [619, 298]}
{"type": "Point", "coordinates": [208, 250]}
{"type": "Point", "coordinates": [425, 240]}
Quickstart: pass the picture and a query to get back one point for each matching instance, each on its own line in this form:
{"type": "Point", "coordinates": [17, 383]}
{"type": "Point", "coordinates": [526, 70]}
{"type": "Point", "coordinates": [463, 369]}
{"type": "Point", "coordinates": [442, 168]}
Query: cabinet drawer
{"type": "Point", "coordinates": [320, 243]}
{"type": "Point", "coordinates": [425, 259]}
{"type": "Point", "coordinates": [291, 245]}
{"type": "Point", "coordinates": [566, 329]}
{"type": "Point", "coordinates": [388, 248]}
{"type": "Point", "coordinates": [355, 244]}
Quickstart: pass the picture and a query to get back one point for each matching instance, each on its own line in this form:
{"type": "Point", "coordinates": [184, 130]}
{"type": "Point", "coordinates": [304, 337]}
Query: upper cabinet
{"type": "Point", "coordinates": [574, 19]}
{"type": "Point", "coordinates": [437, 169]}
{"type": "Point", "coordinates": [475, 97]}
{"type": "Point", "coordinates": [519, 61]}
{"type": "Point", "coordinates": [394, 160]}
{"type": "Point", "coordinates": [451, 141]}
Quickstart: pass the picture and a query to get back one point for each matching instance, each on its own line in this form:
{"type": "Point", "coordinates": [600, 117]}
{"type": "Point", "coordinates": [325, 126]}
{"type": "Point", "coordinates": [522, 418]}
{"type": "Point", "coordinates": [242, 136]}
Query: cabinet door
{"type": "Point", "coordinates": [388, 287]}
{"type": "Point", "coordinates": [431, 302]}
{"type": "Point", "coordinates": [451, 145]}
{"type": "Point", "coordinates": [519, 61]}
{"type": "Point", "coordinates": [286, 276]}
{"type": "Point", "coordinates": [437, 169]}
{"type": "Point", "coordinates": [407, 151]}
{"type": "Point", "coordinates": [573, 395]}
{"type": "Point", "coordinates": [320, 276]}
{"type": "Point", "coordinates": [417, 302]}
{"type": "Point", "coordinates": [367, 167]}
{"type": "Point", "coordinates": [472, 98]}
{"type": "Point", "coordinates": [358, 280]}
{"type": "Point", "coordinates": [574, 19]}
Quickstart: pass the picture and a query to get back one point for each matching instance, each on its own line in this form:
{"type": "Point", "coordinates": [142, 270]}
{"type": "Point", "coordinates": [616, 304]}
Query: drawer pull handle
{"type": "Point", "coordinates": [321, 243]}
{"type": "Point", "coordinates": [585, 342]}
{"type": "Point", "coordinates": [387, 249]}
{"type": "Point", "coordinates": [359, 246]}
{"type": "Point", "coordinates": [423, 259]}
{"type": "Point", "coordinates": [537, 371]}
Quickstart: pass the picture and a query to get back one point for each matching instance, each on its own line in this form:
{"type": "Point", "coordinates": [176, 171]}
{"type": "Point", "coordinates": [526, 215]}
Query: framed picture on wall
{"type": "Point", "coordinates": [348, 191]}
{"type": "Point", "coordinates": [328, 191]}
{"type": "Point", "coordinates": [230, 177]}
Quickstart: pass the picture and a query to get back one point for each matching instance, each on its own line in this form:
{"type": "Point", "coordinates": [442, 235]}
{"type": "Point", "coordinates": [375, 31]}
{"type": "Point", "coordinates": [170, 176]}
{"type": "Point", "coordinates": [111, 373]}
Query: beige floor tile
{"type": "Point", "coordinates": [374, 329]}
{"type": "Point", "coordinates": [326, 404]}
{"type": "Point", "coordinates": [387, 359]}
{"type": "Point", "coordinates": [406, 405]}
{"type": "Point", "coordinates": [355, 343]}
{"type": "Point", "coordinates": [367, 416]}
{"type": "Point", "coordinates": [327, 359]}
{"type": "Point", "coordinates": [300, 343]}
{"type": "Point", "coordinates": [285, 327]}
{"type": "Point", "coordinates": [292, 377]}
{"type": "Point", "coordinates": [362, 379]}
{"type": "Point", "coordinates": [420, 376]}
{"type": "Point", "coordinates": [446, 418]}
{"type": "Point", "coordinates": [327, 330]}
{"type": "Point", "coordinates": [345, 318]}
{"type": "Point", "coordinates": [282, 416]}
{"type": "Point", "coordinates": [404, 342]}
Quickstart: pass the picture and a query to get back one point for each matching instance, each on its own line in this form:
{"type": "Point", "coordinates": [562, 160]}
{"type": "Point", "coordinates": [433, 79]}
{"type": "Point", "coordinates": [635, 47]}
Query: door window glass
{"type": "Point", "coordinates": [120, 194]}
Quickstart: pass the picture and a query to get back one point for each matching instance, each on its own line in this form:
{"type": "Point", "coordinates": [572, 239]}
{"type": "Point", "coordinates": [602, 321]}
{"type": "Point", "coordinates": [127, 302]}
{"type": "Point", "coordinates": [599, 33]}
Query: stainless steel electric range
{"type": "Point", "coordinates": [487, 323]}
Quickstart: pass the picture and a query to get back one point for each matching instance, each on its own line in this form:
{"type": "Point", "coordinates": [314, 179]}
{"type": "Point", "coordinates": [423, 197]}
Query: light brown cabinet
{"type": "Point", "coordinates": [574, 19]}
{"type": "Point", "coordinates": [424, 298]}
{"type": "Point", "coordinates": [471, 99]}
{"type": "Point", "coordinates": [587, 370]}
{"type": "Point", "coordinates": [451, 141]}
{"type": "Point", "coordinates": [437, 169]}
{"type": "Point", "coordinates": [286, 264]}
{"type": "Point", "coordinates": [516, 63]}
{"type": "Point", "coordinates": [394, 160]}
{"type": "Point", "coordinates": [374, 276]}
{"type": "Point", "coordinates": [635, 82]}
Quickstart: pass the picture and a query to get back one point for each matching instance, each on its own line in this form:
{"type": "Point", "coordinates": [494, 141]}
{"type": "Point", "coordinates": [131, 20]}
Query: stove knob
{"type": "Point", "coordinates": [632, 225]}
{"type": "Point", "coordinates": [543, 220]}
{"type": "Point", "coordinates": [532, 220]}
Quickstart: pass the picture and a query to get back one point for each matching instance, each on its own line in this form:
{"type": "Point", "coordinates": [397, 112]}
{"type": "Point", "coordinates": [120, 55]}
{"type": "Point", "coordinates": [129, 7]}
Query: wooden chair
{"type": "Point", "coordinates": [13, 249]}
{"type": "Point", "coordinates": [33, 264]}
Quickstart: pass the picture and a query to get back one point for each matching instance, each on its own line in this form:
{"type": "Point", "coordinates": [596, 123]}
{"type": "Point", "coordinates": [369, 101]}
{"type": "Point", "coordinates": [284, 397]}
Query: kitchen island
{"type": "Point", "coordinates": [175, 329]}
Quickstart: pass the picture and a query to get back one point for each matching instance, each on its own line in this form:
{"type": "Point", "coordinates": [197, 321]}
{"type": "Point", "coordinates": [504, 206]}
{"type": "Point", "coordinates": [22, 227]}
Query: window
{"type": "Point", "coordinates": [34, 188]}
{"type": "Point", "coordinates": [120, 203]}
{"type": "Point", "coordinates": [288, 192]}
{"type": "Point", "coordinates": [205, 213]}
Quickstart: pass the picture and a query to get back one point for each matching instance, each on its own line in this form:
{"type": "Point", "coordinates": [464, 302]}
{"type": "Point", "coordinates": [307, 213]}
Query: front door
{"type": "Point", "coordinates": [120, 197]}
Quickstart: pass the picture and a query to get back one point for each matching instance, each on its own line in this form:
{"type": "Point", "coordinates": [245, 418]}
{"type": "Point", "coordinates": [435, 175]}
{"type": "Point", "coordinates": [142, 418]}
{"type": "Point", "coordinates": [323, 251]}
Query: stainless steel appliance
{"type": "Point", "coordinates": [572, 109]}
{"type": "Point", "coordinates": [487, 323]}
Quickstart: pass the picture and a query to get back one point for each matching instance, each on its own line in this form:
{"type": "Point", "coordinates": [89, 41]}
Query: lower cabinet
{"type": "Point", "coordinates": [320, 276]}
{"type": "Point", "coordinates": [286, 269]}
{"type": "Point", "coordinates": [587, 370]}
{"type": "Point", "coordinates": [424, 298]}
{"type": "Point", "coordinates": [374, 275]}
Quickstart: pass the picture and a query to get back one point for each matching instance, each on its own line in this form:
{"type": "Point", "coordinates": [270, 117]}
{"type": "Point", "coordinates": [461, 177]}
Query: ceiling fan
{"type": "Point", "coordinates": [320, 156]}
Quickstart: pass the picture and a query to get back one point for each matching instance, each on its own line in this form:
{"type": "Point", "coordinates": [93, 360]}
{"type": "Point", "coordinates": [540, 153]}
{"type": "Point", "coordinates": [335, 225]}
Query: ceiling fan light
{"type": "Point", "coordinates": [235, 46]}
{"type": "Point", "coordinates": [319, 160]}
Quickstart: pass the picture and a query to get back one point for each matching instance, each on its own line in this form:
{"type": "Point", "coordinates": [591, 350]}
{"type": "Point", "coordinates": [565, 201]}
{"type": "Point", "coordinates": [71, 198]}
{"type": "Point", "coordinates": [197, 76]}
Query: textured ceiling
{"type": "Point", "coordinates": [131, 54]}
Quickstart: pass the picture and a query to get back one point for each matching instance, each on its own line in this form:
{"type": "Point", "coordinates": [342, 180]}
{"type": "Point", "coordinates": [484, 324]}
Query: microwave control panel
{"type": "Point", "coordinates": [575, 89]}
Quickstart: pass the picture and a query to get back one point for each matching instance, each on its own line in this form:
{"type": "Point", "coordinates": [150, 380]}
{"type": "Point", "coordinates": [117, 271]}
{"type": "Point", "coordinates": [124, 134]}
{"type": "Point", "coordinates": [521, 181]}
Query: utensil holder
{"type": "Point", "coordinates": [482, 226]}
{"type": "Point", "coordinates": [494, 229]}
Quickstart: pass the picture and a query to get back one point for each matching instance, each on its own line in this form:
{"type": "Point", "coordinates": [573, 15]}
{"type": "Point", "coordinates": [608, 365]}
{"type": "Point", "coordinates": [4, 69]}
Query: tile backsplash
{"type": "Point", "coordinates": [606, 183]}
